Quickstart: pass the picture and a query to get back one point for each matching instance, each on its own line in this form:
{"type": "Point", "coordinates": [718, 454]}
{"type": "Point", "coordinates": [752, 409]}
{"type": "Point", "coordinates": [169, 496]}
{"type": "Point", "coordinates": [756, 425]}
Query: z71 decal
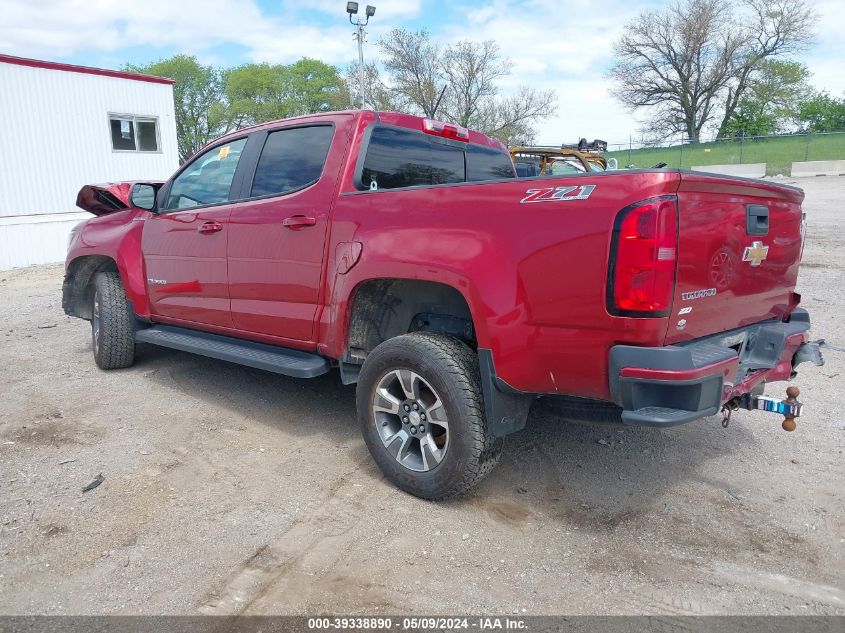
{"type": "Point", "coordinates": [558, 194]}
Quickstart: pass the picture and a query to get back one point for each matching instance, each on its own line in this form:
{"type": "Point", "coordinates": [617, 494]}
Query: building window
{"type": "Point", "coordinates": [133, 133]}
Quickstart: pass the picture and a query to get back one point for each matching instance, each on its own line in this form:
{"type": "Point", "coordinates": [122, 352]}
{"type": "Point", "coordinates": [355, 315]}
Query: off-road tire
{"type": "Point", "coordinates": [575, 409]}
{"type": "Point", "coordinates": [452, 369]}
{"type": "Point", "coordinates": [112, 325]}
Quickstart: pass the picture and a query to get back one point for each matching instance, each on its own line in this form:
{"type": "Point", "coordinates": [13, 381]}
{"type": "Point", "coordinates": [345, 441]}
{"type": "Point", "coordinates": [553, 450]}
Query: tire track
{"type": "Point", "coordinates": [341, 511]}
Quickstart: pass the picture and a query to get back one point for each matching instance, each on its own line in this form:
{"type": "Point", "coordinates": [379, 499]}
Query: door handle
{"type": "Point", "coordinates": [296, 222]}
{"type": "Point", "coordinates": [207, 228]}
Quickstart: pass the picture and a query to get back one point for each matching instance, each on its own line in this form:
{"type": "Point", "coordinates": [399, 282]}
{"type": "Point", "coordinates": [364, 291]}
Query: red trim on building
{"type": "Point", "coordinates": [37, 63]}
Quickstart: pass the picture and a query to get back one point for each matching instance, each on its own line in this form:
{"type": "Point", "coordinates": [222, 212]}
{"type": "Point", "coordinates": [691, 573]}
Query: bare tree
{"type": "Point", "coordinates": [777, 27]}
{"type": "Point", "coordinates": [692, 62]}
{"type": "Point", "coordinates": [459, 83]}
{"type": "Point", "coordinates": [471, 70]}
{"type": "Point", "coordinates": [413, 63]}
{"type": "Point", "coordinates": [378, 96]}
{"type": "Point", "coordinates": [511, 118]}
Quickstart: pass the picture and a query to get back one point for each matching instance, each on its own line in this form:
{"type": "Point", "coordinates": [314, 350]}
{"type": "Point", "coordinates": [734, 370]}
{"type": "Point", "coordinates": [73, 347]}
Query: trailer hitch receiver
{"type": "Point", "coordinates": [789, 408]}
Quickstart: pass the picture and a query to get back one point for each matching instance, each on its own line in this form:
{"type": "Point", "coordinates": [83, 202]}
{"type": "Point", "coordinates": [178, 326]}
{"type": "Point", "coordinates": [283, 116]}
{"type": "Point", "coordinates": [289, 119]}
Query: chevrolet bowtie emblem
{"type": "Point", "coordinates": [755, 253]}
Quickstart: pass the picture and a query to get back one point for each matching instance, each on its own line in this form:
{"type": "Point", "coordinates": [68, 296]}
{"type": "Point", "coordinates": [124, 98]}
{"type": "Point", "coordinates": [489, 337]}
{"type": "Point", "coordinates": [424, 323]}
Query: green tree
{"type": "Point", "coordinates": [316, 86]}
{"type": "Point", "coordinates": [201, 114]}
{"type": "Point", "coordinates": [822, 113]}
{"type": "Point", "coordinates": [749, 119]}
{"type": "Point", "coordinates": [773, 100]}
{"type": "Point", "coordinates": [257, 93]}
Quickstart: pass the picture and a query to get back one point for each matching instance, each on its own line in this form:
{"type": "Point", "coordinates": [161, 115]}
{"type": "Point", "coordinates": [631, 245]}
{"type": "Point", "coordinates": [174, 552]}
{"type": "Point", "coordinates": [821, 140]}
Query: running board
{"type": "Point", "coordinates": [280, 360]}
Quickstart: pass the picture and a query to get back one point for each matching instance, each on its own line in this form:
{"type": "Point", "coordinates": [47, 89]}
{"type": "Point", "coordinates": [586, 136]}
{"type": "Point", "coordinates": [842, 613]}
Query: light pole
{"type": "Point", "coordinates": [370, 11]}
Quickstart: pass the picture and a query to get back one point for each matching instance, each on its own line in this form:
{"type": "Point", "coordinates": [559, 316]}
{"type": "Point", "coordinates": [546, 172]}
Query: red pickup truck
{"type": "Point", "coordinates": [406, 253]}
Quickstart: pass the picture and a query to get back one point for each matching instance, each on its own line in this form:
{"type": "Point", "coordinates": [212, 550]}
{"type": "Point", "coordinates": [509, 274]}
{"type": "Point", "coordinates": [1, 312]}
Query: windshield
{"type": "Point", "coordinates": [566, 166]}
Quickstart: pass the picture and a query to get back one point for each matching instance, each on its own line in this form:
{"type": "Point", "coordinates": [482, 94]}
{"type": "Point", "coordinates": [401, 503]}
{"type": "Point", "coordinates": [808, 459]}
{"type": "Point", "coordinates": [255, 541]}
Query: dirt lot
{"type": "Point", "coordinates": [228, 490]}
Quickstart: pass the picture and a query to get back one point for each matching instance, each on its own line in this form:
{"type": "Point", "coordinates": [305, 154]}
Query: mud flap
{"type": "Point", "coordinates": [506, 410]}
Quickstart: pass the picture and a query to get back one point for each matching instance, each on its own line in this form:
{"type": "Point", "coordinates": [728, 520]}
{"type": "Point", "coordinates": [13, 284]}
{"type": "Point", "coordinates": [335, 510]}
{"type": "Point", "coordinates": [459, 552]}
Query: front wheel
{"type": "Point", "coordinates": [422, 415]}
{"type": "Point", "coordinates": [112, 331]}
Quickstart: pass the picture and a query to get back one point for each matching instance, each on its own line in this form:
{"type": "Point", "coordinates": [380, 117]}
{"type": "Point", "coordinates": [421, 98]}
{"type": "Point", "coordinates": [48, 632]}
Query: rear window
{"type": "Point", "coordinates": [403, 158]}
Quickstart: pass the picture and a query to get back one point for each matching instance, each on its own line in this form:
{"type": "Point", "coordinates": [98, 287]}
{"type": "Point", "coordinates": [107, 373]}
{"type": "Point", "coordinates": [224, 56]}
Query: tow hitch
{"type": "Point", "coordinates": [789, 408]}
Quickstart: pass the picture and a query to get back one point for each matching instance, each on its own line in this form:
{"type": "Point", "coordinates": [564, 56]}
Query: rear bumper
{"type": "Point", "coordinates": [666, 386]}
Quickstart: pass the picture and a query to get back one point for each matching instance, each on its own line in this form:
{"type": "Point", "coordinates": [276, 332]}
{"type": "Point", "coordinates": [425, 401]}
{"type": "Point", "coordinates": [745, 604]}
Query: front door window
{"type": "Point", "coordinates": [207, 180]}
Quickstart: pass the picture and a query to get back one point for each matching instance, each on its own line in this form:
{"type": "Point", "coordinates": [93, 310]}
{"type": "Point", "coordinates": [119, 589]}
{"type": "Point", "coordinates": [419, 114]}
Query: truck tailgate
{"type": "Point", "coordinates": [739, 248]}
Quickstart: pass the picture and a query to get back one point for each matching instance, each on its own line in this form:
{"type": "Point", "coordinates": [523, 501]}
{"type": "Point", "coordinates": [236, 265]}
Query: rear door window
{"type": "Point", "coordinates": [486, 163]}
{"type": "Point", "coordinates": [403, 158]}
{"type": "Point", "coordinates": [207, 179]}
{"type": "Point", "coordinates": [291, 159]}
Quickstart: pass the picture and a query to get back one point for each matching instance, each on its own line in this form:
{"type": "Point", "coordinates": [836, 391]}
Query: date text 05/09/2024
{"type": "Point", "coordinates": [480, 623]}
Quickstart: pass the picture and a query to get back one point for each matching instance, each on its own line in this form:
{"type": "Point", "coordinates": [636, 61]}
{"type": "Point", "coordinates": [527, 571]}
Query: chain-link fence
{"type": "Point", "coordinates": [778, 152]}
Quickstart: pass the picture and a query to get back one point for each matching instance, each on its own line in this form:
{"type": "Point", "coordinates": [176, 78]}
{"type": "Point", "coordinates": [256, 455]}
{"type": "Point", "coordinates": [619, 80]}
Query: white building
{"type": "Point", "coordinates": [62, 127]}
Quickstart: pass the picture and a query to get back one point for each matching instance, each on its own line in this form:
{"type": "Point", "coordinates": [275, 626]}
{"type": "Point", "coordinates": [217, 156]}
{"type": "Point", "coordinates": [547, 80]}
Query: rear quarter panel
{"type": "Point", "coordinates": [533, 274]}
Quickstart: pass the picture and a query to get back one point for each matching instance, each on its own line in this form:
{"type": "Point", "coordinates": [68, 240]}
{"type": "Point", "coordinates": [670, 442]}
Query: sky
{"type": "Point", "coordinates": [565, 45]}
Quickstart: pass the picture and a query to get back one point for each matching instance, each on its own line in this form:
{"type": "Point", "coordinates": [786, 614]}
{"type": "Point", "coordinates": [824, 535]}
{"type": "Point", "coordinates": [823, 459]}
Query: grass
{"type": "Point", "coordinates": [777, 152]}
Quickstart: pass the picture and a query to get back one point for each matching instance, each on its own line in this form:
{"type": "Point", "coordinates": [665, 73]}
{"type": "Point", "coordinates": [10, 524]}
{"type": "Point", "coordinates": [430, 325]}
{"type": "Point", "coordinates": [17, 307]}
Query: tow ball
{"type": "Point", "coordinates": [793, 408]}
{"type": "Point", "coordinates": [789, 408]}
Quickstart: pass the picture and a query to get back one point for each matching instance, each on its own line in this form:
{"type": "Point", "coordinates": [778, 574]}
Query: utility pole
{"type": "Point", "coordinates": [370, 11]}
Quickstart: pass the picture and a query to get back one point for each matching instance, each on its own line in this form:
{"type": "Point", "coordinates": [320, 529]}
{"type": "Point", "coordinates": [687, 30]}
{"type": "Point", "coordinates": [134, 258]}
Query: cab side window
{"type": "Point", "coordinates": [487, 163]}
{"type": "Point", "coordinates": [401, 158]}
{"type": "Point", "coordinates": [208, 179]}
{"type": "Point", "coordinates": [291, 159]}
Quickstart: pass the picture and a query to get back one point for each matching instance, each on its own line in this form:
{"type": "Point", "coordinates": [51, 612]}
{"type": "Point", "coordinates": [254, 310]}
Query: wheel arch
{"type": "Point", "coordinates": [383, 308]}
{"type": "Point", "coordinates": [78, 287]}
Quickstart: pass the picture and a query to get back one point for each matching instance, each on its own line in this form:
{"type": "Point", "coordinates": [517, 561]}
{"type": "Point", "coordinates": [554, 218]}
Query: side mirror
{"type": "Point", "coordinates": [143, 196]}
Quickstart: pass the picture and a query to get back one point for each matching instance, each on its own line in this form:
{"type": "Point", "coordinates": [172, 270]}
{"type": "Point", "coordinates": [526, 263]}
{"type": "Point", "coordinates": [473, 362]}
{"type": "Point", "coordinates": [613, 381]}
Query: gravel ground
{"type": "Point", "coordinates": [229, 490]}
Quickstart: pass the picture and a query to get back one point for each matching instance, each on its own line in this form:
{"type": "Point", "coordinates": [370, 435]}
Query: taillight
{"type": "Point", "coordinates": [641, 274]}
{"type": "Point", "coordinates": [446, 130]}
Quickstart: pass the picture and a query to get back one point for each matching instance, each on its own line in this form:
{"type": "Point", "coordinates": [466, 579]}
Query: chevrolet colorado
{"type": "Point", "coordinates": [406, 253]}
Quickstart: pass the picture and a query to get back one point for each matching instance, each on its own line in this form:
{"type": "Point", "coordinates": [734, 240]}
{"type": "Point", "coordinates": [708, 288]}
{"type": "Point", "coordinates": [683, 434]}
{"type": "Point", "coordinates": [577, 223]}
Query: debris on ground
{"type": "Point", "coordinates": [94, 483]}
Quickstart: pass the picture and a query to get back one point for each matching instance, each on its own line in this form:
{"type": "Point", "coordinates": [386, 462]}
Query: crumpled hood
{"type": "Point", "coordinates": [105, 198]}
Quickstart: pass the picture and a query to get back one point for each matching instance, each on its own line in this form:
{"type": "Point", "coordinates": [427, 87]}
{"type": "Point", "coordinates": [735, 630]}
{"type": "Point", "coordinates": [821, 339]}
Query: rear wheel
{"type": "Point", "coordinates": [422, 415]}
{"type": "Point", "coordinates": [112, 331]}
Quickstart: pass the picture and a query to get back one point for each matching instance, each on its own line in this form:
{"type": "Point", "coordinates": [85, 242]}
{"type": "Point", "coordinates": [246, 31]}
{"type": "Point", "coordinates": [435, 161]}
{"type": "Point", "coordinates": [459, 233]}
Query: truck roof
{"type": "Point", "coordinates": [398, 119]}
